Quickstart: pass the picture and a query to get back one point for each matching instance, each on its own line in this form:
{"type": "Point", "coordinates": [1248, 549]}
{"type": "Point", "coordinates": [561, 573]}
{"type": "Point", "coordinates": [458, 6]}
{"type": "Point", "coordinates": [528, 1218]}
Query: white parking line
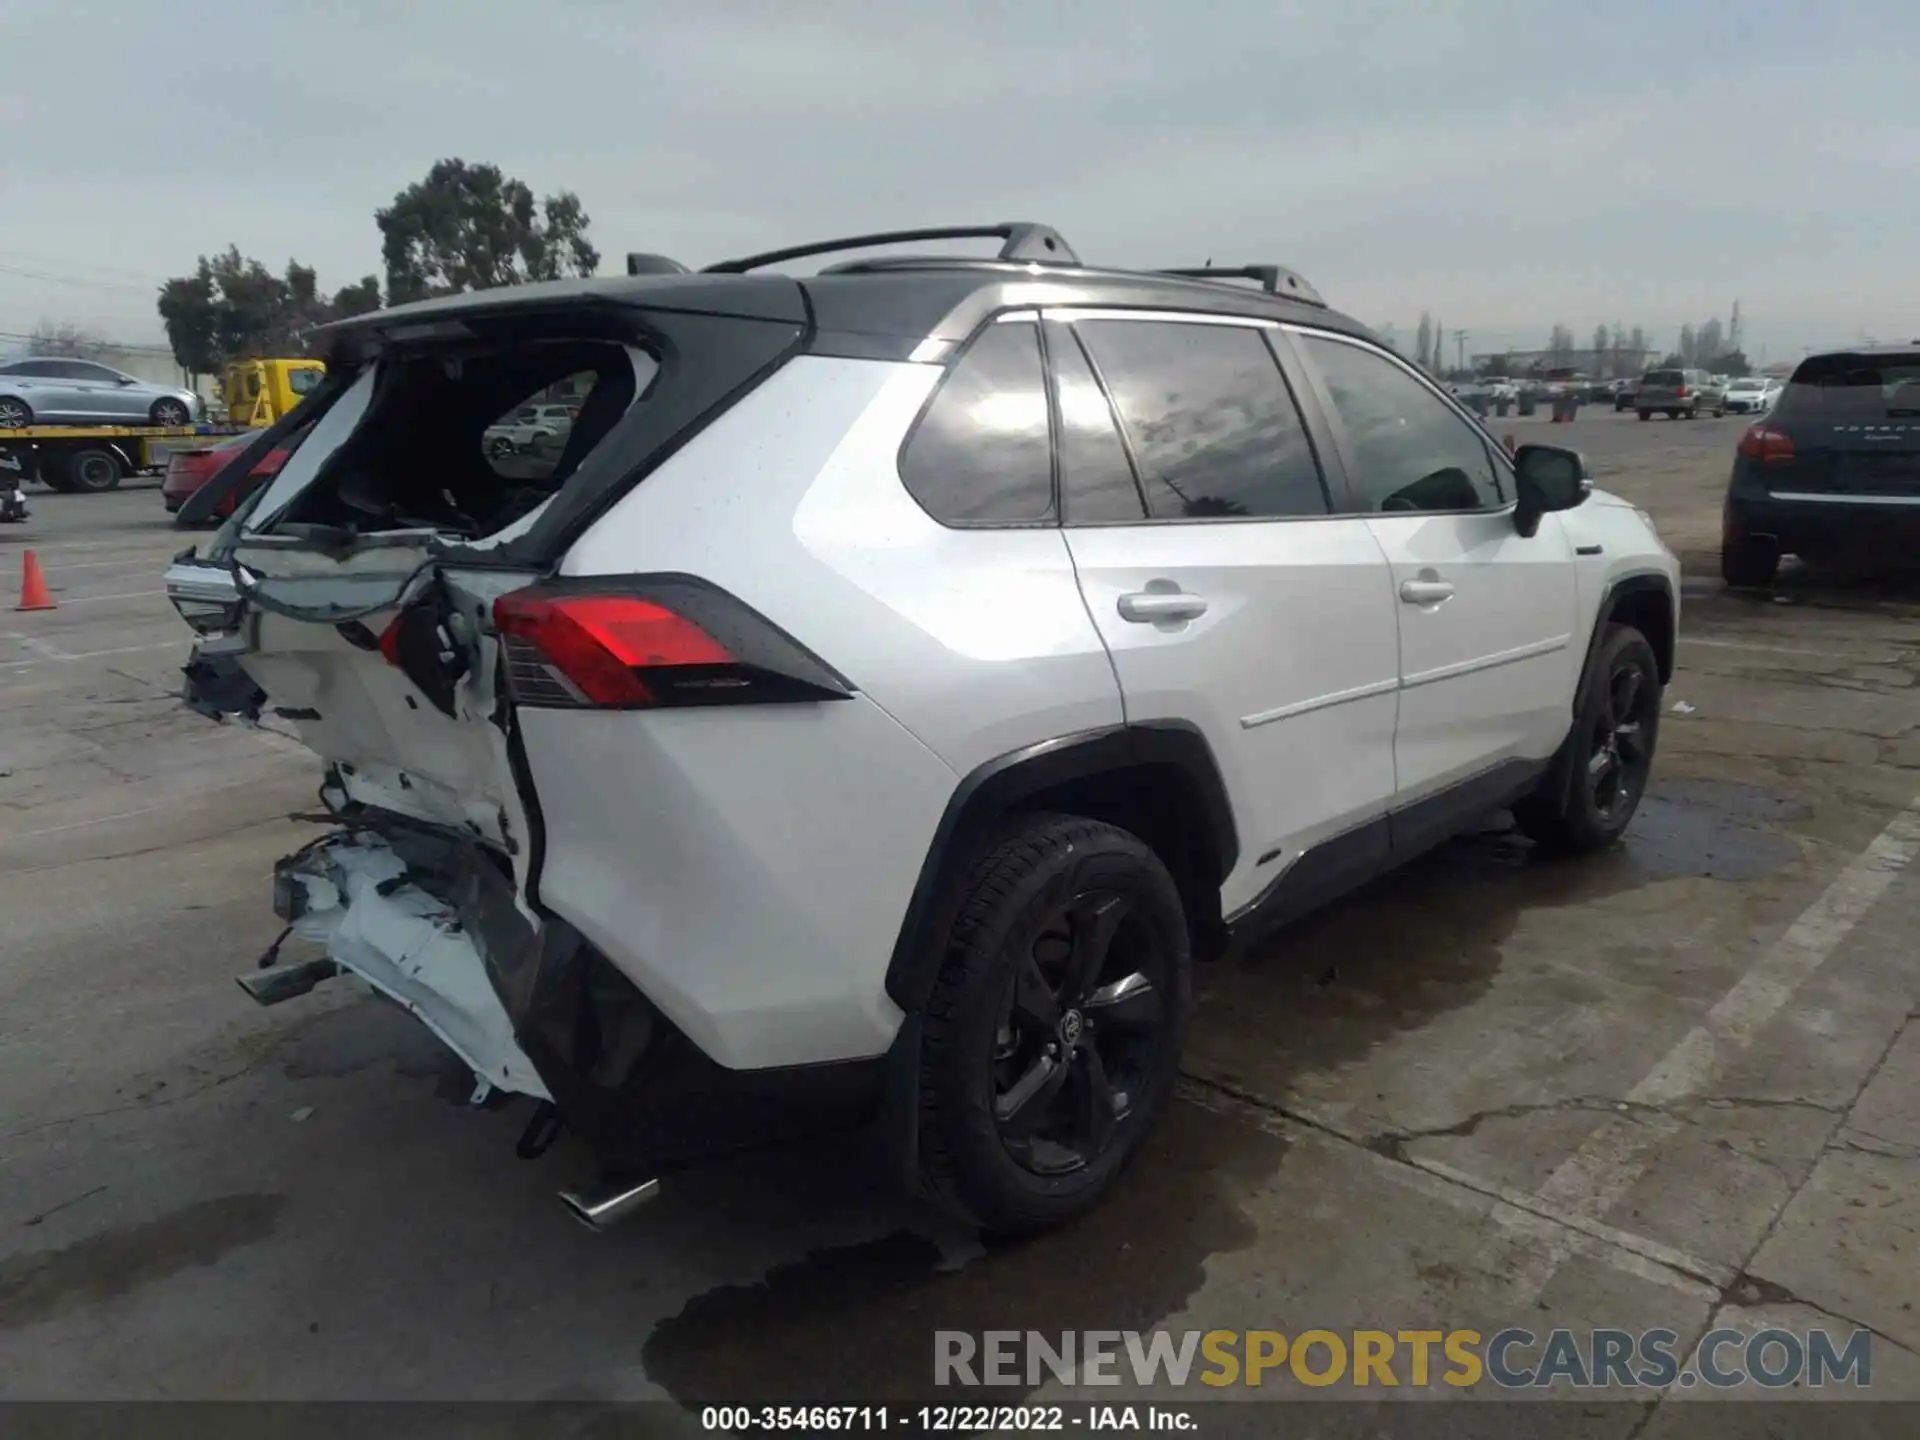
{"type": "Point", "coordinates": [64, 658]}
{"type": "Point", "coordinates": [1615, 1154]}
{"type": "Point", "coordinates": [125, 595]}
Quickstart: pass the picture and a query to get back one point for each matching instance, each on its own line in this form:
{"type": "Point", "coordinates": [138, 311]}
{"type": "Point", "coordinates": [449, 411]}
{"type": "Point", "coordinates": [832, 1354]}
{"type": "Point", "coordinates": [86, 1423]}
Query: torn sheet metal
{"type": "Point", "coordinates": [354, 894]}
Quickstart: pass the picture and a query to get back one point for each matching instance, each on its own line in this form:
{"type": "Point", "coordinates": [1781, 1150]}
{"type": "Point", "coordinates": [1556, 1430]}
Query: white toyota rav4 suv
{"type": "Point", "coordinates": [902, 677]}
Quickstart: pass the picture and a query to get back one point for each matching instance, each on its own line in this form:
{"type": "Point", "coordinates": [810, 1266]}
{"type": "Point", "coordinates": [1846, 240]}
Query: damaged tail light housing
{"type": "Point", "coordinates": [651, 642]}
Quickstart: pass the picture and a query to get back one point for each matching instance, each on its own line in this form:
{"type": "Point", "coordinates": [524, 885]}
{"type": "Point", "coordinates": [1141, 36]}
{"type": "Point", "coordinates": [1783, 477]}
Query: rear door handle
{"type": "Point", "coordinates": [1147, 607]}
{"type": "Point", "coordinates": [1426, 592]}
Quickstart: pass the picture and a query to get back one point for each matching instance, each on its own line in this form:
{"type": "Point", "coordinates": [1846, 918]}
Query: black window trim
{"type": "Point", "coordinates": [1497, 457]}
{"type": "Point", "coordinates": [949, 363]}
{"type": "Point", "coordinates": [1312, 422]}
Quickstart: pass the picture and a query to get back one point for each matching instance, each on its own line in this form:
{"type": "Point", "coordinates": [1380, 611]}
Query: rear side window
{"type": "Point", "coordinates": [1411, 451]}
{"type": "Point", "coordinates": [1853, 389]}
{"type": "Point", "coordinates": [1214, 429]}
{"type": "Point", "coordinates": [982, 453]}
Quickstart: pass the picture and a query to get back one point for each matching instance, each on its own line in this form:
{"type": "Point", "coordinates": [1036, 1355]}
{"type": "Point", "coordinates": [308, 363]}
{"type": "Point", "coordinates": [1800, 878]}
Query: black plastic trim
{"type": "Point", "coordinates": [999, 787]}
{"type": "Point", "coordinates": [1344, 862]}
{"type": "Point", "coordinates": [1627, 584]}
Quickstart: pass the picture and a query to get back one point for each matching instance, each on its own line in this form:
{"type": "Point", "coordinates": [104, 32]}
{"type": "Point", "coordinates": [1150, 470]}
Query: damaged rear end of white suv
{"type": "Point", "coordinates": [394, 595]}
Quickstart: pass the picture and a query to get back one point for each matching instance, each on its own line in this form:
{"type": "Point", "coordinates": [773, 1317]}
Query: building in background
{"type": "Point", "coordinates": [1595, 364]}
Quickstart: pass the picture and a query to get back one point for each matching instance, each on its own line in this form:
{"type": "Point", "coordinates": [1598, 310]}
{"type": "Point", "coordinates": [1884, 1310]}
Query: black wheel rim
{"type": "Point", "coordinates": [1621, 750]}
{"type": "Point", "coordinates": [1079, 1030]}
{"type": "Point", "coordinates": [94, 472]}
{"type": "Point", "coordinates": [13, 415]}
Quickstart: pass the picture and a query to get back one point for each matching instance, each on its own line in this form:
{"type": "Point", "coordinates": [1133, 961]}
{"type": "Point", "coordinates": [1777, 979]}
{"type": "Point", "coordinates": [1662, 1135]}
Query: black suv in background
{"type": "Point", "coordinates": [1833, 472]}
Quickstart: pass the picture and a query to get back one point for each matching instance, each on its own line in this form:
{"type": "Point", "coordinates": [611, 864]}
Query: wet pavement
{"type": "Point", "coordinates": [1670, 1086]}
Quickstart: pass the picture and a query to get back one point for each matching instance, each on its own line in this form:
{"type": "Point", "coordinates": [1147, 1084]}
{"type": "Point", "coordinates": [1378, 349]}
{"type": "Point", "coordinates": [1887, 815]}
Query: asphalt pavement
{"type": "Point", "coordinates": [1671, 1086]}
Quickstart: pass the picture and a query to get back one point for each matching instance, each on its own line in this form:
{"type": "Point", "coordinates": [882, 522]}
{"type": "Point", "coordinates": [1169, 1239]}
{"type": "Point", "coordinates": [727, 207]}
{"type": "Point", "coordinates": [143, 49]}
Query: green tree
{"type": "Point", "coordinates": [189, 308]}
{"type": "Point", "coordinates": [233, 308]}
{"type": "Point", "coordinates": [360, 299]}
{"type": "Point", "coordinates": [469, 227]}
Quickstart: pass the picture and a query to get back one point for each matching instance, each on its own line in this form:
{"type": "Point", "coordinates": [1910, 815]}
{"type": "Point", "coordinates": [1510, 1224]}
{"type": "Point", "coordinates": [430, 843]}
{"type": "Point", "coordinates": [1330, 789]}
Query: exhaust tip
{"type": "Point", "coordinates": [604, 1206]}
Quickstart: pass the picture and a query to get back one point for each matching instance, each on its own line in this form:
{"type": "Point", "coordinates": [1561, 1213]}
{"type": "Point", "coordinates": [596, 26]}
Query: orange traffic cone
{"type": "Point", "coordinates": [33, 586]}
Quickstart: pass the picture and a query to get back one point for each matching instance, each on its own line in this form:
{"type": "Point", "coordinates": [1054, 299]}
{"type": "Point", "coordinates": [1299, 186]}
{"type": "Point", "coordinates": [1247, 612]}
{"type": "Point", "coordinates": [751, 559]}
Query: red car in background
{"type": "Point", "coordinates": [188, 470]}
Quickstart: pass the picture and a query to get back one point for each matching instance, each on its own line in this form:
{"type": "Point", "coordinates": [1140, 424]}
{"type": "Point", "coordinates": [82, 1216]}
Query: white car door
{"type": "Point", "coordinates": [1489, 657]}
{"type": "Point", "coordinates": [1229, 594]}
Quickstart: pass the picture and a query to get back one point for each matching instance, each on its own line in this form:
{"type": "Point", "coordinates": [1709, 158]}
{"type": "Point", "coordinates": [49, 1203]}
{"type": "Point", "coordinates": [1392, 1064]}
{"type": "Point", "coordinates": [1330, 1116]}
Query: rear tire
{"type": "Point", "coordinates": [1052, 1036]}
{"type": "Point", "coordinates": [94, 470]}
{"type": "Point", "coordinates": [1748, 564]}
{"type": "Point", "coordinates": [1592, 791]}
{"type": "Point", "coordinates": [1646, 414]}
{"type": "Point", "coordinates": [14, 414]}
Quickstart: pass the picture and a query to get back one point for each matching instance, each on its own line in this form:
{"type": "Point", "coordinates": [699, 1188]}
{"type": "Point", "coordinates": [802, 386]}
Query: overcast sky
{"type": "Point", "coordinates": [1504, 165]}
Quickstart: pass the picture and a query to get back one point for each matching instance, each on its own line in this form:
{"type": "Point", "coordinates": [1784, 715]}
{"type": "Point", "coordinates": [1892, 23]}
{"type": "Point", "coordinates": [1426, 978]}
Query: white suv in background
{"type": "Point", "coordinates": [904, 675]}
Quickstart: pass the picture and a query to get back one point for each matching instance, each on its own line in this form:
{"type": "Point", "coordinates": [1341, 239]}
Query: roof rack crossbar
{"type": "Point", "coordinates": [1025, 240]}
{"type": "Point", "coordinates": [1274, 279]}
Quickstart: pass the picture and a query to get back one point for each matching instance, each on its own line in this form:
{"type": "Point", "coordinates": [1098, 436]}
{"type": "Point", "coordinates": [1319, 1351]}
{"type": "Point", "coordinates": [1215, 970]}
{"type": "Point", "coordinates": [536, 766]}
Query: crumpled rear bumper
{"type": "Point", "coordinates": [357, 894]}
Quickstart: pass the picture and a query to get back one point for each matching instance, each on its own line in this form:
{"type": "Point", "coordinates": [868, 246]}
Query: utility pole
{"type": "Point", "coordinates": [1460, 348]}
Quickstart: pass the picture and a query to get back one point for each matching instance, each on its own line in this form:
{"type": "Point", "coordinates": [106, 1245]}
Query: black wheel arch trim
{"type": "Point", "coordinates": [1621, 586]}
{"type": "Point", "coordinates": [1000, 787]}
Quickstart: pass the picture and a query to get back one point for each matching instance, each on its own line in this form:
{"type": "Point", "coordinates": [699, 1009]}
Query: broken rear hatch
{"type": "Point", "coordinates": [353, 598]}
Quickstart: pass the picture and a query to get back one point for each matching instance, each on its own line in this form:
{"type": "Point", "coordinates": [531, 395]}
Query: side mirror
{"type": "Point", "coordinates": [1547, 478]}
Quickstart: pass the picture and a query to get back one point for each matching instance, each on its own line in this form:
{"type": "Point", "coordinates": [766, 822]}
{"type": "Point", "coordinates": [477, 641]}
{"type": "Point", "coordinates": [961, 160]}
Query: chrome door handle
{"type": "Point", "coordinates": [1150, 606]}
{"type": "Point", "coordinates": [1426, 592]}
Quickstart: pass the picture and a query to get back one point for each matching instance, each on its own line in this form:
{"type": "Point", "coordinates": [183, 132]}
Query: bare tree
{"type": "Point", "coordinates": [1734, 329]}
{"type": "Point", "coordinates": [1423, 340]}
{"type": "Point", "coordinates": [1689, 347]}
{"type": "Point", "coordinates": [67, 340]}
{"type": "Point", "coordinates": [1599, 349]}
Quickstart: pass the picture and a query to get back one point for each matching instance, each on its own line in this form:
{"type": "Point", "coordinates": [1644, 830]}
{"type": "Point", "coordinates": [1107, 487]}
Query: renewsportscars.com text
{"type": "Point", "coordinates": [1509, 1359]}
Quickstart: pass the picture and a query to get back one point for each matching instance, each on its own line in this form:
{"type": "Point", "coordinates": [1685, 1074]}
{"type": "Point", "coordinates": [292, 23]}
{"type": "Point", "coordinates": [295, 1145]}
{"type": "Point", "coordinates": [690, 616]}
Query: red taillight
{"type": "Point", "coordinates": [651, 643]}
{"type": "Point", "coordinates": [390, 643]}
{"type": "Point", "coordinates": [1768, 445]}
{"type": "Point", "coordinates": [1680, 392]}
{"type": "Point", "coordinates": [600, 644]}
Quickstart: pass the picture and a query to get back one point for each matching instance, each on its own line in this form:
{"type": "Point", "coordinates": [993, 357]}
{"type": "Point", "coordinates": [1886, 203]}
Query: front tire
{"type": "Point", "coordinates": [1590, 796]}
{"type": "Point", "coordinates": [1052, 1036]}
{"type": "Point", "coordinates": [169, 412]}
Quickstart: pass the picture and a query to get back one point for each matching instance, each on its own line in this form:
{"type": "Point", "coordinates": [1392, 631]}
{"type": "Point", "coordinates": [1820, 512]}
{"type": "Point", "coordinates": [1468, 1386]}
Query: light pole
{"type": "Point", "coordinates": [1460, 348]}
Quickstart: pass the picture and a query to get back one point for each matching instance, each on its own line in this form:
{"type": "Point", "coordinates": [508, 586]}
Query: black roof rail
{"type": "Point", "coordinates": [1274, 279]}
{"type": "Point", "coordinates": [1025, 240]}
{"type": "Point", "coordinates": [639, 262]}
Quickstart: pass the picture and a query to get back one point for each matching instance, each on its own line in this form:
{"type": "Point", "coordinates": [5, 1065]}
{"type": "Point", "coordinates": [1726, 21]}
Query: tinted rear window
{"type": "Point", "coordinates": [1664, 377]}
{"type": "Point", "coordinates": [1854, 389]}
